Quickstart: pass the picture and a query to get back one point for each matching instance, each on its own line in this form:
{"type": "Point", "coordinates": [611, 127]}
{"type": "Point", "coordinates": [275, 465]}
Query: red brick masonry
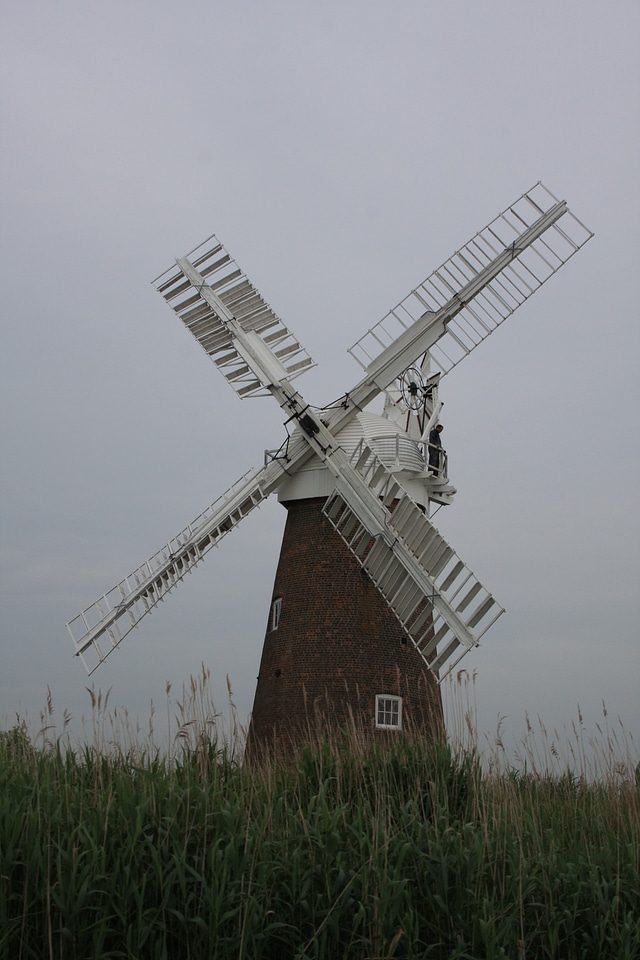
{"type": "Point", "coordinates": [337, 644]}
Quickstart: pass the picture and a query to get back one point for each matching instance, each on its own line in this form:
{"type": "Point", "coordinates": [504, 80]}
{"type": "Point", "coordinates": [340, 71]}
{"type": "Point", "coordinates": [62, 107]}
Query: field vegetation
{"type": "Point", "coordinates": [123, 848]}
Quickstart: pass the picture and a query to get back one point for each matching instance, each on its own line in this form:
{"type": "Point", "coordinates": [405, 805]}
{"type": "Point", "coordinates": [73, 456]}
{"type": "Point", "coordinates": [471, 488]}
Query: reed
{"type": "Point", "coordinates": [139, 843]}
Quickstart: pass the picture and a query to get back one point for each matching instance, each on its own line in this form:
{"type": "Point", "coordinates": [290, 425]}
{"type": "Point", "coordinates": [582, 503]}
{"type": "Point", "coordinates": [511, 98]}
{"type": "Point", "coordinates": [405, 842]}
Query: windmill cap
{"type": "Point", "coordinates": [396, 450]}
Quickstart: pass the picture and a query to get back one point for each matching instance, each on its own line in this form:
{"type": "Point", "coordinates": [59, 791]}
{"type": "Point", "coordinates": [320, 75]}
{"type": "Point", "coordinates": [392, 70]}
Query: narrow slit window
{"type": "Point", "coordinates": [388, 712]}
{"type": "Point", "coordinates": [276, 610]}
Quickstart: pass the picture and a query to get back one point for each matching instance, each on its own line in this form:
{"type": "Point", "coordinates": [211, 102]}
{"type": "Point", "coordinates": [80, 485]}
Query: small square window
{"type": "Point", "coordinates": [276, 609]}
{"type": "Point", "coordinates": [388, 712]}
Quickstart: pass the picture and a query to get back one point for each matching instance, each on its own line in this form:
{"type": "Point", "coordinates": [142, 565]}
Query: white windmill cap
{"type": "Point", "coordinates": [387, 440]}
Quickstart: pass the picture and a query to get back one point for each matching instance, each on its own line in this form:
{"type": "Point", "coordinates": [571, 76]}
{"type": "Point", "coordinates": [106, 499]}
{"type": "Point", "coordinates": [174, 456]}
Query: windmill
{"type": "Point", "coordinates": [371, 607]}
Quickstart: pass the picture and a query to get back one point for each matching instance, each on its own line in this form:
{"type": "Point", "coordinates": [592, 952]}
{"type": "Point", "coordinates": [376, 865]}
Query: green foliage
{"type": "Point", "coordinates": [401, 850]}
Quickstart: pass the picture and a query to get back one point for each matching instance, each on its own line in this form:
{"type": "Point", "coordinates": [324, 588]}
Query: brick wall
{"type": "Point", "coordinates": [337, 644]}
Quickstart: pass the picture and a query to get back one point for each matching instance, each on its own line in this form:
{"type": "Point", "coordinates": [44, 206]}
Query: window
{"type": "Point", "coordinates": [276, 609]}
{"type": "Point", "coordinates": [388, 712]}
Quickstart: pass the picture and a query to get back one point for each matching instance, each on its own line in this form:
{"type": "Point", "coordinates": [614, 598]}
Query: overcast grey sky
{"type": "Point", "coordinates": [341, 151]}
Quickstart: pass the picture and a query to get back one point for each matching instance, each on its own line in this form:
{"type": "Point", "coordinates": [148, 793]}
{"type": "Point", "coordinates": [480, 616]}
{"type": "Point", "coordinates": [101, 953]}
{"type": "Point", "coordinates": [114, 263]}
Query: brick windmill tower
{"type": "Point", "coordinates": [371, 607]}
{"type": "Point", "coordinates": [335, 654]}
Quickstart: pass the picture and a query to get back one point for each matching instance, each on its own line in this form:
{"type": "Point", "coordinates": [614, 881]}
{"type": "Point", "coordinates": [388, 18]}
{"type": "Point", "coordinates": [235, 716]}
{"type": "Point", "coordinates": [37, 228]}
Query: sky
{"type": "Point", "coordinates": [341, 152]}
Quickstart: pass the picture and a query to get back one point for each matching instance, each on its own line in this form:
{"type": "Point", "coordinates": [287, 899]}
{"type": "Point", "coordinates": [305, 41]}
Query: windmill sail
{"type": "Point", "coordinates": [119, 610]}
{"type": "Point", "coordinates": [110, 618]}
{"type": "Point", "coordinates": [228, 295]}
{"type": "Point", "coordinates": [440, 603]}
{"type": "Point", "coordinates": [467, 298]}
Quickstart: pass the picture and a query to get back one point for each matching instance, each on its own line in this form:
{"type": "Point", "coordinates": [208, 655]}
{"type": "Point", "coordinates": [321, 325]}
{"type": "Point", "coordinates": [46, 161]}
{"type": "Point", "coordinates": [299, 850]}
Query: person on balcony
{"type": "Point", "coordinates": [435, 450]}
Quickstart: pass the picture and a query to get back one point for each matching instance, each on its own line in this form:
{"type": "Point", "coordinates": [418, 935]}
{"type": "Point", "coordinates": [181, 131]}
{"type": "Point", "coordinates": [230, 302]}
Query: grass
{"type": "Point", "coordinates": [124, 848]}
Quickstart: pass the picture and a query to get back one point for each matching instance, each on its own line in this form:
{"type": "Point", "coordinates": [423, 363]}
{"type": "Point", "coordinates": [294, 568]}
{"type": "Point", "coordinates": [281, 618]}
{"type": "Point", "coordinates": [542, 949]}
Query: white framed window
{"type": "Point", "coordinates": [276, 610]}
{"type": "Point", "coordinates": [388, 712]}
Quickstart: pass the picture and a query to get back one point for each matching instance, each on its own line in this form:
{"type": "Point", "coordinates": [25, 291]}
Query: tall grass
{"type": "Point", "coordinates": [607, 752]}
{"type": "Point", "coordinates": [122, 847]}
